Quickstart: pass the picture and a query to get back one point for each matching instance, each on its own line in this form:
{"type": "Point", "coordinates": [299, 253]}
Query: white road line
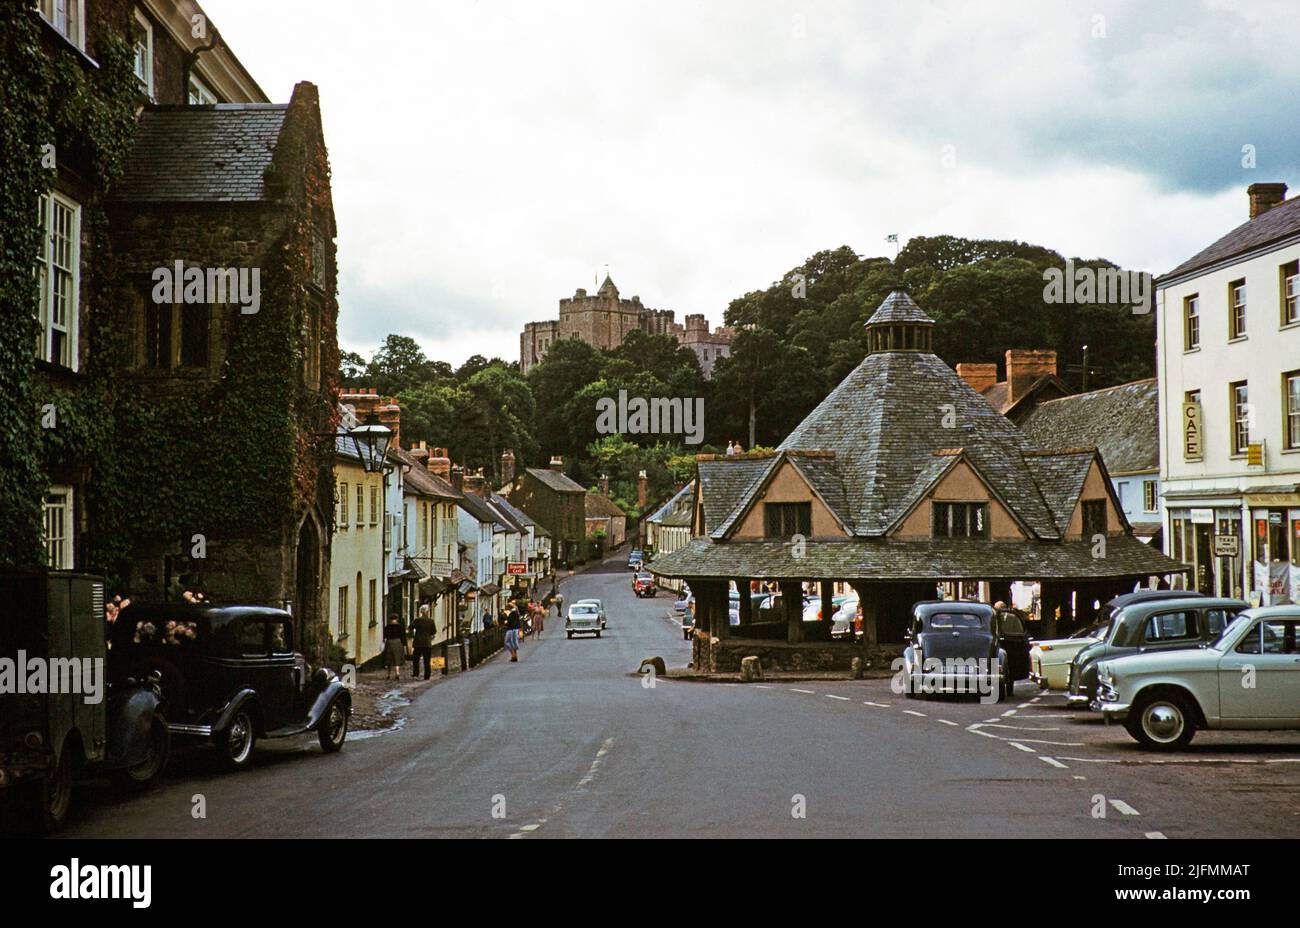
{"type": "Point", "coordinates": [914, 712]}
{"type": "Point", "coordinates": [1008, 712]}
{"type": "Point", "coordinates": [1156, 835]}
{"type": "Point", "coordinates": [525, 830]}
{"type": "Point", "coordinates": [1053, 762]}
{"type": "Point", "coordinates": [878, 705]}
{"type": "Point", "coordinates": [946, 722]}
{"type": "Point", "coordinates": [1020, 747]}
{"type": "Point", "coordinates": [761, 686]}
{"type": "Point", "coordinates": [1016, 727]}
{"type": "Point", "coordinates": [1023, 705]}
{"type": "Point", "coordinates": [1035, 699]}
{"type": "Point", "coordinates": [1119, 805]}
{"type": "Point", "coordinates": [986, 734]}
{"type": "Point", "coordinates": [1078, 777]}
{"type": "Point", "coordinates": [841, 698]}
{"type": "Point", "coordinates": [809, 692]}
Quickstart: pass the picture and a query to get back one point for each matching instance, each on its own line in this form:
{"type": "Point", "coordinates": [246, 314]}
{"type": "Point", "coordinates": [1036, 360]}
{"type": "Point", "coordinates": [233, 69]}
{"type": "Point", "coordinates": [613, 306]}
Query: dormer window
{"type": "Point", "coordinates": [200, 94]}
{"type": "Point", "coordinates": [784, 520]}
{"type": "Point", "coordinates": [960, 520]}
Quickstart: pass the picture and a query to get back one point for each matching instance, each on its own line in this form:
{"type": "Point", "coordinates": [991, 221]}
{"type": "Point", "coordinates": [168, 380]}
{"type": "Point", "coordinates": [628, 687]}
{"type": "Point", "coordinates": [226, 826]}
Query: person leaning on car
{"type": "Point", "coordinates": [425, 630]}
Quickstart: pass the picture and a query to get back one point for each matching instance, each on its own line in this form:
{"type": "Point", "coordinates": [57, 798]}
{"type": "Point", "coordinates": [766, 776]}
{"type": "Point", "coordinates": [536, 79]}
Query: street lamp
{"type": "Point", "coordinates": [372, 440]}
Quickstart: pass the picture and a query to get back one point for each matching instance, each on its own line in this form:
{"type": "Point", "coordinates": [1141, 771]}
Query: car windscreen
{"type": "Point", "coordinates": [955, 620]}
{"type": "Point", "coordinates": [1221, 643]}
{"type": "Point", "coordinates": [1100, 630]}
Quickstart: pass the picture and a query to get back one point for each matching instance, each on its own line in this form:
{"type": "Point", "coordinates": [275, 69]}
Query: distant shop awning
{"type": "Point", "coordinates": [490, 589]}
{"type": "Point", "coordinates": [436, 586]}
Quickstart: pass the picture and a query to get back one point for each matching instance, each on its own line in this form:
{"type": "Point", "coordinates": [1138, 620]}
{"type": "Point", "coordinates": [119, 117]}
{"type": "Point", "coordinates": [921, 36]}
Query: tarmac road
{"type": "Point", "coordinates": [569, 742]}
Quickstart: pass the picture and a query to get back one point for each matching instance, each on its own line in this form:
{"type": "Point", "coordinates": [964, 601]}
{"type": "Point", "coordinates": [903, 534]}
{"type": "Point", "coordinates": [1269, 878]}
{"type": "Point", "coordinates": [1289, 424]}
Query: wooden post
{"type": "Point", "coordinates": [746, 603]}
{"type": "Point", "coordinates": [792, 603]}
{"type": "Point", "coordinates": [868, 596]}
{"type": "Point", "coordinates": [828, 608]}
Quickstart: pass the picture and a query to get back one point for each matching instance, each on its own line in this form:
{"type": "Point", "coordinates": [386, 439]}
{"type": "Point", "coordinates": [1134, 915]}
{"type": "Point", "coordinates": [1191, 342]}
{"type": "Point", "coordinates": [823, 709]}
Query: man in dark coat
{"type": "Point", "coordinates": [425, 631]}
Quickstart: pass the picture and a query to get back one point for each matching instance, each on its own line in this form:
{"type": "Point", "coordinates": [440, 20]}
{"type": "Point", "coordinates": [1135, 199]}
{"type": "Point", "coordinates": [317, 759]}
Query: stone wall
{"type": "Point", "coordinates": [715, 655]}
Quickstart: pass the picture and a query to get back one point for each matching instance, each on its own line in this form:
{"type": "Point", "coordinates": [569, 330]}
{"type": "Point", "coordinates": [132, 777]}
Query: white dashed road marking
{"type": "Point", "coordinates": [1157, 835]}
{"type": "Point", "coordinates": [1053, 762]}
{"type": "Point", "coordinates": [841, 698]}
{"type": "Point", "coordinates": [1020, 747]}
{"type": "Point", "coordinates": [914, 712]}
{"type": "Point", "coordinates": [878, 705]}
{"type": "Point", "coordinates": [946, 722]}
{"type": "Point", "coordinates": [808, 692]}
{"type": "Point", "coordinates": [1119, 805]}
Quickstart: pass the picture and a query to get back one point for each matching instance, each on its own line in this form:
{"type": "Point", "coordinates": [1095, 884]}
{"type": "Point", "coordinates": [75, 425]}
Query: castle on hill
{"type": "Point", "coordinates": [604, 320]}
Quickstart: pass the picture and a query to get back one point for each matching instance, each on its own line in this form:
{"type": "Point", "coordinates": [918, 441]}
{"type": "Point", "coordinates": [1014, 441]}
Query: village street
{"type": "Point", "coordinates": [569, 742]}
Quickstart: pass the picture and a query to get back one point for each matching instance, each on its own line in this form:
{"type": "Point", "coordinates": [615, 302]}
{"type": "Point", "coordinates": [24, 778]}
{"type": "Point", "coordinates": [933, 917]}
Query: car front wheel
{"type": "Point", "coordinates": [146, 774]}
{"type": "Point", "coordinates": [333, 729]}
{"type": "Point", "coordinates": [56, 793]}
{"type": "Point", "coordinates": [1162, 723]}
{"type": "Point", "coordinates": [235, 741]}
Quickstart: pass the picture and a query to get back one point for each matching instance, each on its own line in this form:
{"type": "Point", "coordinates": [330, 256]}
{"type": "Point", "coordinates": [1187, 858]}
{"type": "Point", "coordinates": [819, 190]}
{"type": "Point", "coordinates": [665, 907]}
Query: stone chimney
{"type": "Point", "coordinates": [390, 414]}
{"type": "Point", "coordinates": [1025, 367]}
{"type": "Point", "coordinates": [979, 376]}
{"type": "Point", "coordinates": [507, 467]}
{"type": "Point", "coordinates": [458, 479]}
{"type": "Point", "coordinates": [366, 400]}
{"type": "Point", "coordinates": [1263, 197]}
{"type": "Point", "coordinates": [557, 463]}
{"type": "Point", "coordinates": [439, 464]}
{"type": "Point", "coordinates": [604, 484]}
{"type": "Point", "coordinates": [476, 483]}
{"type": "Point", "coordinates": [641, 490]}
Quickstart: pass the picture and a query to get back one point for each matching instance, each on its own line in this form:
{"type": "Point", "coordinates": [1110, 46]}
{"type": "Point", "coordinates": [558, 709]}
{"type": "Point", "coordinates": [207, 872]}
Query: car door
{"type": "Point", "coordinates": [1013, 637]}
{"type": "Point", "coordinates": [281, 699]}
{"type": "Point", "coordinates": [1260, 678]}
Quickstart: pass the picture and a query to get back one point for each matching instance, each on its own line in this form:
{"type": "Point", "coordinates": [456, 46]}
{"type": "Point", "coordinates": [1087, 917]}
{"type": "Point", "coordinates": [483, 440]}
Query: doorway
{"type": "Point", "coordinates": [307, 560]}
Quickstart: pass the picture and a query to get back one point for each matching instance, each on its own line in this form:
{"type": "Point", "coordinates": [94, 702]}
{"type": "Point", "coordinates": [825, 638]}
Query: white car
{"type": "Point", "coordinates": [583, 619]}
{"type": "Point", "coordinates": [1049, 659]}
{"type": "Point", "coordinates": [600, 608]}
{"type": "Point", "coordinates": [1247, 678]}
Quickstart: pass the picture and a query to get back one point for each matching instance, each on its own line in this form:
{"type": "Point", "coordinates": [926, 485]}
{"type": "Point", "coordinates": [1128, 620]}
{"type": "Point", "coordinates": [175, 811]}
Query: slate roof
{"type": "Point", "coordinates": [600, 506]}
{"type": "Point", "coordinates": [886, 559]}
{"type": "Point", "coordinates": [479, 508]}
{"type": "Point", "coordinates": [1120, 422]}
{"type": "Point", "coordinates": [1276, 224]}
{"type": "Point", "coordinates": [679, 500]}
{"type": "Point", "coordinates": [201, 154]}
{"type": "Point", "coordinates": [885, 421]}
{"type": "Point", "coordinates": [517, 515]}
{"type": "Point", "coordinates": [873, 449]}
{"type": "Point", "coordinates": [899, 307]}
{"type": "Point", "coordinates": [505, 514]}
{"type": "Point", "coordinates": [556, 480]}
{"type": "Point", "coordinates": [420, 480]}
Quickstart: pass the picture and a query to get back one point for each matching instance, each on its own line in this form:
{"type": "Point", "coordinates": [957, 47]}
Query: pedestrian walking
{"type": "Point", "coordinates": [425, 629]}
{"type": "Point", "coordinates": [394, 647]}
{"type": "Point", "coordinates": [511, 622]}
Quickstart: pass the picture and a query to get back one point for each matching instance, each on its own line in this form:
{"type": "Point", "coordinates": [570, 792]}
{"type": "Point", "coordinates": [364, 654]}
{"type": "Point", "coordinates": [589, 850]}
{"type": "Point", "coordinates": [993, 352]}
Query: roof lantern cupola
{"type": "Point", "coordinates": [899, 325]}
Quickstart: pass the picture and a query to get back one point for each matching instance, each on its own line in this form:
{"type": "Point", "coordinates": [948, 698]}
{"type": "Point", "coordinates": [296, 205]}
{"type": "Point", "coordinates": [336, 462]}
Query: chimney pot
{"type": "Point", "coordinates": [1264, 197]}
{"type": "Point", "coordinates": [557, 463]}
{"type": "Point", "coordinates": [458, 479]}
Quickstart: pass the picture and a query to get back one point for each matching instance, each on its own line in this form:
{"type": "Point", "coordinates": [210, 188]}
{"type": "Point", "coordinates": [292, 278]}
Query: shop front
{"type": "Point", "coordinates": [1247, 548]}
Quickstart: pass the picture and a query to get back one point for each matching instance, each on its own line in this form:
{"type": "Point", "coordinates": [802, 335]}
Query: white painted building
{"type": "Point", "coordinates": [1228, 330]}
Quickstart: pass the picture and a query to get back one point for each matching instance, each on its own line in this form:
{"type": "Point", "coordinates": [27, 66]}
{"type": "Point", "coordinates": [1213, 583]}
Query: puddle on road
{"type": "Point", "coordinates": [387, 704]}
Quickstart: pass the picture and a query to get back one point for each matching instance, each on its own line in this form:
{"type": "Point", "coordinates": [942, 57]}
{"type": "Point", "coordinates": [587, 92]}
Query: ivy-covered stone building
{"type": "Point", "coordinates": [183, 311]}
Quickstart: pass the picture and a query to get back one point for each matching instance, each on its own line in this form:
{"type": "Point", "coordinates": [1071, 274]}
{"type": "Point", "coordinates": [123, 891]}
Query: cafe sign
{"type": "Point", "coordinates": [1193, 449]}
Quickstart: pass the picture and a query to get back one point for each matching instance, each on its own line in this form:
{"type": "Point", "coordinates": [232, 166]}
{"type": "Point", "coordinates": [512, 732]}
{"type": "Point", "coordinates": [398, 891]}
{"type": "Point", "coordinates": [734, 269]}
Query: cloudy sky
{"type": "Point", "coordinates": [492, 156]}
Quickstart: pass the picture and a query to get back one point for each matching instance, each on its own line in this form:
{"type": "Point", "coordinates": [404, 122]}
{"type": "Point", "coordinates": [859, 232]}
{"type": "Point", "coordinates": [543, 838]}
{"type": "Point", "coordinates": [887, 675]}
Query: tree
{"type": "Point", "coordinates": [400, 363]}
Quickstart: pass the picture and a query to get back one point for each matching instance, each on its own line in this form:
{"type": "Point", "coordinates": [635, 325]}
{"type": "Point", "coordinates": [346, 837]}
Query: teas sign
{"type": "Point", "coordinates": [1227, 546]}
{"type": "Point", "coordinates": [1193, 449]}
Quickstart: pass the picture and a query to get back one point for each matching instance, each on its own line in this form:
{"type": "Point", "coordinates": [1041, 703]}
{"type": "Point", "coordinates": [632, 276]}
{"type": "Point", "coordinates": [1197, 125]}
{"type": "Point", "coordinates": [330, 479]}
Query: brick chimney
{"type": "Point", "coordinates": [458, 479]}
{"type": "Point", "coordinates": [641, 490]}
{"type": "Point", "coordinates": [604, 484]}
{"type": "Point", "coordinates": [476, 483]}
{"type": "Point", "coordinates": [557, 463]}
{"type": "Point", "coordinates": [1263, 197]}
{"type": "Point", "coordinates": [507, 467]}
{"type": "Point", "coordinates": [1025, 367]}
{"type": "Point", "coordinates": [420, 453]}
{"type": "Point", "coordinates": [390, 414]}
{"type": "Point", "coordinates": [979, 376]}
{"type": "Point", "coordinates": [439, 464]}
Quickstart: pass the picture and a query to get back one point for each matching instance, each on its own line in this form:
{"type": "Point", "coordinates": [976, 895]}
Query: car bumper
{"type": "Point", "coordinates": [1039, 679]}
{"type": "Point", "coordinates": [583, 629]}
{"type": "Point", "coordinates": [1078, 700]}
{"type": "Point", "coordinates": [955, 682]}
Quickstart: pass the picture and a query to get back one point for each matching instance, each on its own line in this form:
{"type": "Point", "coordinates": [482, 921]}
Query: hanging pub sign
{"type": "Point", "coordinates": [1192, 447]}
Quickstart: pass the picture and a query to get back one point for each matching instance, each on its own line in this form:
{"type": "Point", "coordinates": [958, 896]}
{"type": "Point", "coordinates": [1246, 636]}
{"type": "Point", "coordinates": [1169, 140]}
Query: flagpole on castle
{"type": "Point", "coordinates": [893, 237]}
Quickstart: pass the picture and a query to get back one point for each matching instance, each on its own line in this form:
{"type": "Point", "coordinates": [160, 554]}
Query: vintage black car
{"type": "Point", "coordinates": [1010, 626]}
{"type": "Point", "coordinates": [230, 675]}
{"type": "Point", "coordinates": [954, 647]}
{"type": "Point", "coordinates": [53, 734]}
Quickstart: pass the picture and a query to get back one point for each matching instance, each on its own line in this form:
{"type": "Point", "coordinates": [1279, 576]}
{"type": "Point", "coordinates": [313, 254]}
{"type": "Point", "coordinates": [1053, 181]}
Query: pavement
{"type": "Point", "coordinates": [570, 742]}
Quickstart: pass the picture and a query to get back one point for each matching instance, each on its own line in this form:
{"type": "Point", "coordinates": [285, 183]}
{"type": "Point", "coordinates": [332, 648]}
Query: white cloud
{"type": "Point", "coordinates": [490, 158]}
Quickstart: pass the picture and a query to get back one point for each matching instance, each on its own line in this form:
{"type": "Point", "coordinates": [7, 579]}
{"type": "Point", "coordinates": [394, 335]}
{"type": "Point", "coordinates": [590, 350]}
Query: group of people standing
{"type": "Point", "coordinates": [523, 614]}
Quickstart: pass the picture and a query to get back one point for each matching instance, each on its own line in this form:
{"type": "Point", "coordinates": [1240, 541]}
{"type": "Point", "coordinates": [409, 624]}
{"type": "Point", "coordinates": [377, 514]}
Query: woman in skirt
{"type": "Point", "coordinates": [394, 647]}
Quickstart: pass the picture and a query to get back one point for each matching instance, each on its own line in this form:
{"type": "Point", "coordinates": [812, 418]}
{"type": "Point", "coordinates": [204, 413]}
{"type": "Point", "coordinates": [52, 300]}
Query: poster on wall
{"type": "Point", "coordinates": [1275, 580]}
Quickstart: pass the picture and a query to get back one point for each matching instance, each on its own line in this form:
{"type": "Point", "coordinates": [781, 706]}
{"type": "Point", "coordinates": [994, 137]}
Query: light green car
{"type": "Point", "coordinates": [1247, 678]}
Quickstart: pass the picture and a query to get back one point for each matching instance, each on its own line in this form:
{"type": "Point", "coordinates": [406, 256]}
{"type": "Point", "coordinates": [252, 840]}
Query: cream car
{"type": "Point", "coordinates": [1247, 678]}
{"type": "Point", "coordinates": [1049, 659]}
